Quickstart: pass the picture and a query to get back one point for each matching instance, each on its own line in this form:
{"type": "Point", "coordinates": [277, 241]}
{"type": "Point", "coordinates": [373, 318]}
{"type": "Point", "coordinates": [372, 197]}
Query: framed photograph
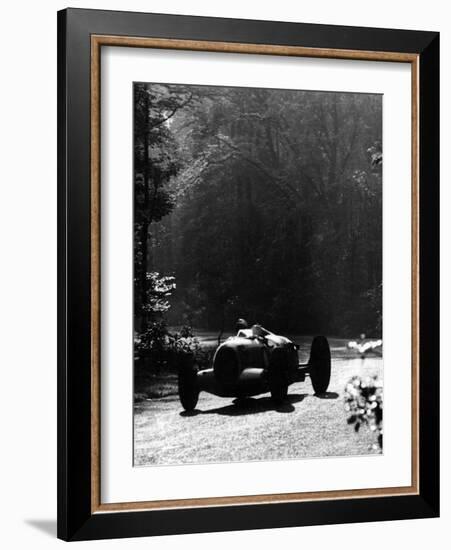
{"type": "Point", "coordinates": [248, 274]}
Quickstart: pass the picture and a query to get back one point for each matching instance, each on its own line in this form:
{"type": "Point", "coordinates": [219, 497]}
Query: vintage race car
{"type": "Point", "coordinates": [253, 362]}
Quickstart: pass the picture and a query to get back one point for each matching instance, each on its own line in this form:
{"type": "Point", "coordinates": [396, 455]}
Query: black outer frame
{"type": "Point", "coordinates": [75, 520]}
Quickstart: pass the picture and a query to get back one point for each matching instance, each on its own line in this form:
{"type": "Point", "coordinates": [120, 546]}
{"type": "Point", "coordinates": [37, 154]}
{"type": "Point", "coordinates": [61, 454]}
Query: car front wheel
{"type": "Point", "coordinates": [187, 383]}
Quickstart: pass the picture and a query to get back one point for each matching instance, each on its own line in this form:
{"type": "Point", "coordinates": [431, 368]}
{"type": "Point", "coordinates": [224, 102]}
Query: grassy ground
{"type": "Point", "coordinates": [221, 430]}
{"type": "Point", "coordinates": [152, 386]}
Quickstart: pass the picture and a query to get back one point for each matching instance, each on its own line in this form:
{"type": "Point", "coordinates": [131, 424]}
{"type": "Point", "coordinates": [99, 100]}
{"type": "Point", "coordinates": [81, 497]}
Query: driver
{"type": "Point", "coordinates": [256, 331]}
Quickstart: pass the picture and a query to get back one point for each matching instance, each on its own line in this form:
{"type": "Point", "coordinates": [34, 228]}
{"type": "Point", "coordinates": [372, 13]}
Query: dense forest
{"type": "Point", "coordinates": [257, 203]}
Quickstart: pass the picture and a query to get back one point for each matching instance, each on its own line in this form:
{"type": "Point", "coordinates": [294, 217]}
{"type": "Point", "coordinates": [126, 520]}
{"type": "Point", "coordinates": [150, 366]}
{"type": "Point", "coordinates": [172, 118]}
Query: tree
{"type": "Point", "coordinates": [275, 208]}
{"type": "Point", "coordinates": [155, 162]}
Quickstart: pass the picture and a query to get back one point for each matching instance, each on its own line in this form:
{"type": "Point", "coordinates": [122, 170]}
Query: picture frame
{"type": "Point", "coordinates": [81, 36]}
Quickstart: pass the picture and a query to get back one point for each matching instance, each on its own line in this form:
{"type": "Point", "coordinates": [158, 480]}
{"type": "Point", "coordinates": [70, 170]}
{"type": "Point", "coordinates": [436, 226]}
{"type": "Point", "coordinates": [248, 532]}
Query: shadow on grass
{"type": "Point", "coordinates": [327, 395]}
{"type": "Point", "coordinates": [250, 405]}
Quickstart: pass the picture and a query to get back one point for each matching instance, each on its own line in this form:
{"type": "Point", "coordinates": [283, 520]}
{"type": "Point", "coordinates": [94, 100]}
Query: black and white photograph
{"type": "Point", "coordinates": [257, 274]}
{"type": "Point", "coordinates": [226, 298]}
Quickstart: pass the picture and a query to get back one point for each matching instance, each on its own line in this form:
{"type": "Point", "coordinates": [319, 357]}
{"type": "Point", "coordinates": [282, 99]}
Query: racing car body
{"type": "Point", "coordinates": [253, 362]}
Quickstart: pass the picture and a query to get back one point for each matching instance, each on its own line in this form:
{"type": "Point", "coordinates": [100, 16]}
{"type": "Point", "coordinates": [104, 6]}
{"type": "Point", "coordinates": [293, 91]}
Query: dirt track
{"type": "Point", "coordinates": [220, 430]}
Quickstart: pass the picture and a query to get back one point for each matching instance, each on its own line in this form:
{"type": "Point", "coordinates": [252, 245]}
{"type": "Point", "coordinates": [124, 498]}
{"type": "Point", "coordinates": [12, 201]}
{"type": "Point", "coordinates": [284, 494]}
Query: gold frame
{"type": "Point", "coordinates": [97, 41]}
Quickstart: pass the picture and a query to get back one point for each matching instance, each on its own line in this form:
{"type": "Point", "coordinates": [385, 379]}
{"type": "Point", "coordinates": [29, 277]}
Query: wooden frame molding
{"type": "Point", "coordinates": [97, 41]}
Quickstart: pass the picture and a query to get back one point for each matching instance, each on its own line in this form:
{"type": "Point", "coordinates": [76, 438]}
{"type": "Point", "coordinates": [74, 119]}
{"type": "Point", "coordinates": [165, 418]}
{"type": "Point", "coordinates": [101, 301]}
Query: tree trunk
{"type": "Point", "coordinates": [145, 225]}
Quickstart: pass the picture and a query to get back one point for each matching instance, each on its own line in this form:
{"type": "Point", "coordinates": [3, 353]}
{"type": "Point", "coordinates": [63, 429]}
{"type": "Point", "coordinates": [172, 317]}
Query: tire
{"type": "Point", "coordinates": [278, 375]}
{"type": "Point", "coordinates": [188, 387]}
{"type": "Point", "coordinates": [319, 363]}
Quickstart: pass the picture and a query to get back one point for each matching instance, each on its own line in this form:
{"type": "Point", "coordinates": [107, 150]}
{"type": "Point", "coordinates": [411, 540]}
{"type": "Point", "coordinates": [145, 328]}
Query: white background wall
{"type": "Point", "coordinates": [28, 270]}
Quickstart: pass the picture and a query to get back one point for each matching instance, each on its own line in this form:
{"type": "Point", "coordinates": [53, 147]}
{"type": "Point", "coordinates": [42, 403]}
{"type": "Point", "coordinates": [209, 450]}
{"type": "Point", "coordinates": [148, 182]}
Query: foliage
{"type": "Point", "coordinates": [162, 350]}
{"type": "Point", "coordinates": [155, 163]}
{"type": "Point", "coordinates": [278, 211]}
{"type": "Point", "coordinates": [364, 401]}
{"type": "Point", "coordinates": [264, 204]}
{"type": "Point", "coordinates": [159, 289]}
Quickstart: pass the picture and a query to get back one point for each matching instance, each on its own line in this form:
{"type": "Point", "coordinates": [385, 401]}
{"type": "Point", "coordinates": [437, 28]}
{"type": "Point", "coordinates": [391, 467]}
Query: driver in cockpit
{"type": "Point", "coordinates": [256, 331]}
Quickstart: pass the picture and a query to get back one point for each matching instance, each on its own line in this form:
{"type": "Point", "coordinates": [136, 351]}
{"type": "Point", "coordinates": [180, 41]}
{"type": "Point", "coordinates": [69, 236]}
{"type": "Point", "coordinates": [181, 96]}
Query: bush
{"type": "Point", "coordinates": [161, 350]}
{"type": "Point", "coordinates": [364, 402]}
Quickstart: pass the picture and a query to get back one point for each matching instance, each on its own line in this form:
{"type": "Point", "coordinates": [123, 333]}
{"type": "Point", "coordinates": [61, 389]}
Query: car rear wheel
{"type": "Point", "coordinates": [188, 386]}
{"type": "Point", "coordinates": [319, 364]}
{"type": "Point", "coordinates": [278, 375]}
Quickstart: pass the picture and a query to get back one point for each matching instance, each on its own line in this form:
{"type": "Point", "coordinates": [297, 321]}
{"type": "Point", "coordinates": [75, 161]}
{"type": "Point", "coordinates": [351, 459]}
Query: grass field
{"type": "Point", "coordinates": [223, 430]}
